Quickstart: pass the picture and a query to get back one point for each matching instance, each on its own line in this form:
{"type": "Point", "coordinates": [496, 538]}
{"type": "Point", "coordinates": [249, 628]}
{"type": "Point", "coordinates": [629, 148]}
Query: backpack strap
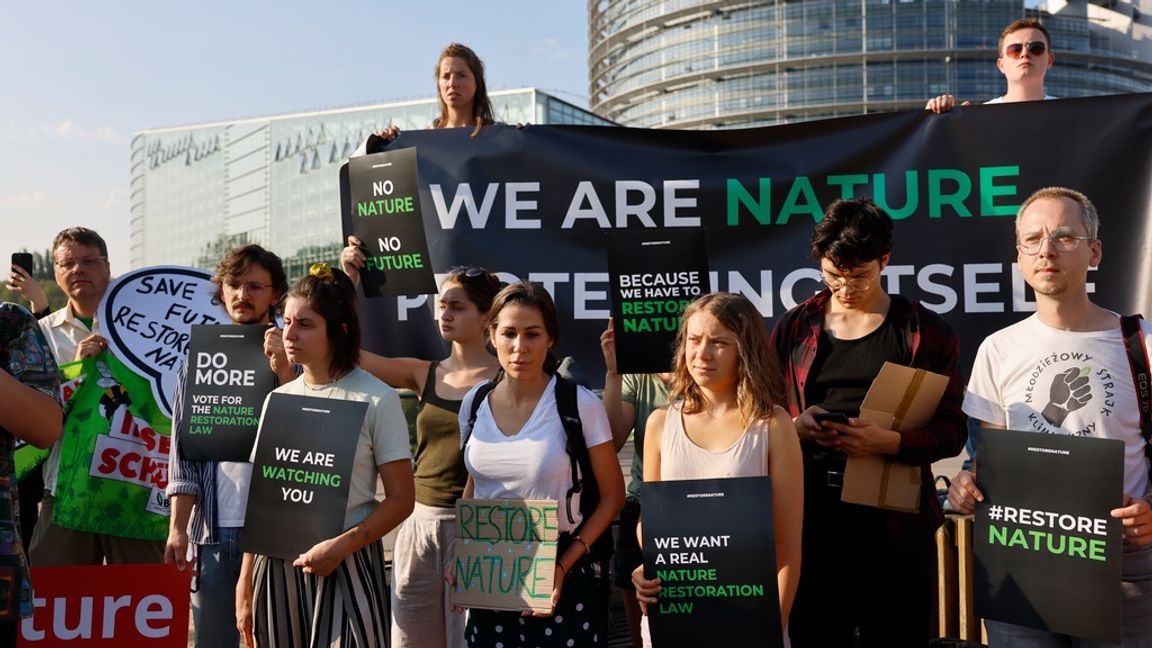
{"type": "Point", "coordinates": [568, 407]}
{"type": "Point", "coordinates": [477, 401]}
{"type": "Point", "coordinates": [1138, 362]}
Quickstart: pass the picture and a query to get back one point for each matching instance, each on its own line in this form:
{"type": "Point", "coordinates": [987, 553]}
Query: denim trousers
{"type": "Point", "coordinates": [214, 600]}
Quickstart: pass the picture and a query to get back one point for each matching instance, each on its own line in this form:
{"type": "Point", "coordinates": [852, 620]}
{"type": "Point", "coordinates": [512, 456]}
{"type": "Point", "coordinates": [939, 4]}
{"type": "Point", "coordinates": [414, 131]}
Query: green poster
{"type": "Point", "coordinates": [114, 452]}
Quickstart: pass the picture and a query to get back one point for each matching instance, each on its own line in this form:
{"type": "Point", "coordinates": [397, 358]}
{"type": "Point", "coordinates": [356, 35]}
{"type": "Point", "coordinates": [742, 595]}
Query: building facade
{"type": "Point", "coordinates": [197, 191]}
{"type": "Point", "coordinates": [701, 64]}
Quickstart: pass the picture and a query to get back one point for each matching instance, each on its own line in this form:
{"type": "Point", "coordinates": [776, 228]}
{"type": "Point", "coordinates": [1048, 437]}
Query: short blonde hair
{"type": "Point", "coordinates": [1088, 214]}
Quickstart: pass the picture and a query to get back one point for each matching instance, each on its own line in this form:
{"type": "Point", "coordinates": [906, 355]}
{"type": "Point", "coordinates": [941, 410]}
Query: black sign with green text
{"type": "Point", "coordinates": [228, 378]}
{"type": "Point", "coordinates": [1047, 550]}
{"type": "Point", "coordinates": [300, 471]}
{"type": "Point", "coordinates": [711, 543]}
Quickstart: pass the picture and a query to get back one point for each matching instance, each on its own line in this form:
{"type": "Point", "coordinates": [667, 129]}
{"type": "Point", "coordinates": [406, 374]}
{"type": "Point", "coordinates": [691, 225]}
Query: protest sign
{"type": "Point", "coordinates": [505, 554]}
{"type": "Point", "coordinates": [654, 275]}
{"type": "Point", "coordinates": [115, 606]}
{"type": "Point", "coordinates": [383, 210]}
{"type": "Point", "coordinates": [300, 469]}
{"type": "Point", "coordinates": [712, 545]}
{"type": "Point", "coordinates": [227, 379]}
{"type": "Point", "coordinates": [1047, 551]}
{"type": "Point", "coordinates": [146, 316]}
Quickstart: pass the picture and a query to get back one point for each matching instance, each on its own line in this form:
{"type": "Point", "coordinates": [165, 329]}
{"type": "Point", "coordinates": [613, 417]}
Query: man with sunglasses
{"type": "Point", "coordinates": [1024, 56]}
{"type": "Point", "coordinates": [865, 570]}
{"type": "Point", "coordinates": [209, 499]}
{"type": "Point", "coordinates": [1023, 379]}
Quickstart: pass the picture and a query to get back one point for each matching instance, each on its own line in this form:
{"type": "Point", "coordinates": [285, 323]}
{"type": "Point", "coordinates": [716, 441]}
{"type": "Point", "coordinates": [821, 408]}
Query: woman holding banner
{"type": "Point", "coordinates": [515, 447]}
{"type": "Point", "coordinates": [421, 610]}
{"type": "Point", "coordinates": [723, 422]}
{"type": "Point", "coordinates": [334, 594]}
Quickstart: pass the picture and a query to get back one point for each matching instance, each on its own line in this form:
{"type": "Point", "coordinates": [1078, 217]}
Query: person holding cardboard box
{"type": "Point", "coordinates": [864, 568]}
{"type": "Point", "coordinates": [1067, 370]}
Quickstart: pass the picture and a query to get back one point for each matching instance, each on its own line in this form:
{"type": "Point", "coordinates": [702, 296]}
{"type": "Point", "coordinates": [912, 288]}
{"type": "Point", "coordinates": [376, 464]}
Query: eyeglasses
{"type": "Point", "coordinates": [87, 263]}
{"type": "Point", "coordinates": [252, 287]}
{"type": "Point", "coordinates": [467, 271]}
{"type": "Point", "coordinates": [1035, 48]}
{"type": "Point", "coordinates": [855, 284]}
{"type": "Point", "coordinates": [1061, 239]}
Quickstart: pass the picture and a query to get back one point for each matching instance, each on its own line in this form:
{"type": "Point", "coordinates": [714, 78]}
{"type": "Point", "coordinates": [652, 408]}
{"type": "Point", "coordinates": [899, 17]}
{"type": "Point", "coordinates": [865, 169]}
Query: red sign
{"type": "Point", "coordinates": [111, 605]}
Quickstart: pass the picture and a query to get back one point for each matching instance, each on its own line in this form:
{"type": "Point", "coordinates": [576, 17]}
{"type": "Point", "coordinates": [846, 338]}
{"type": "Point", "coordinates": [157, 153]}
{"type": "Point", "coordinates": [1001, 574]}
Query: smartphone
{"type": "Point", "coordinates": [24, 260]}
{"type": "Point", "coordinates": [831, 417]}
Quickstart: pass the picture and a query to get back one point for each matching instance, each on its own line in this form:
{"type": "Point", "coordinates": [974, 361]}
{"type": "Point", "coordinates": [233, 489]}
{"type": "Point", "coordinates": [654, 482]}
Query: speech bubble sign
{"type": "Point", "coordinates": [147, 316]}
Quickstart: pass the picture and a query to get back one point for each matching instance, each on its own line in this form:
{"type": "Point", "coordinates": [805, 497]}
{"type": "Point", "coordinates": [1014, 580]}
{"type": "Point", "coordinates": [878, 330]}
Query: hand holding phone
{"type": "Point", "coordinates": [23, 260]}
{"type": "Point", "coordinates": [831, 417]}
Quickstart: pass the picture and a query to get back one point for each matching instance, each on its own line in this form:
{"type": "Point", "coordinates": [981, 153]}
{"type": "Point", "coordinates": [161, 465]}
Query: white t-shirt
{"type": "Point", "coordinates": [533, 463]}
{"type": "Point", "coordinates": [232, 481]}
{"type": "Point", "coordinates": [1018, 378]}
{"type": "Point", "coordinates": [1000, 99]}
{"type": "Point", "coordinates": [383, 437]}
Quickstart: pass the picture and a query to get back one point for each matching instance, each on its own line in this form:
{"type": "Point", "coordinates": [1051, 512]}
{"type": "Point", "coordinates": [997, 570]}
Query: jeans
{"type": "Point", "coordinates": [214, 601]}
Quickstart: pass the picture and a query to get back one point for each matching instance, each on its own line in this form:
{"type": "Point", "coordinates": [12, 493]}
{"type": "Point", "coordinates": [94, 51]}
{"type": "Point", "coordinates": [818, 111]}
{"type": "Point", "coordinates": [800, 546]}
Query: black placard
{"type": "Point", "coordinates": [654, 276]}
{"type": "Point", "coordinates": [382, 208]}
{"type": "Point", "coordinates": [712, 544]}
{"type": "Point", "coordinates": [300, 472]}
{"type": "Point", "coordinates": [228, 378]}
{"type": "Point", "coordinates": [1047, 551]}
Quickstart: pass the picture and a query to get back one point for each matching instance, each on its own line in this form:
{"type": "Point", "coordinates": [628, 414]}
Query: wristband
{"type": "Point", "coordinates": [587, 549]}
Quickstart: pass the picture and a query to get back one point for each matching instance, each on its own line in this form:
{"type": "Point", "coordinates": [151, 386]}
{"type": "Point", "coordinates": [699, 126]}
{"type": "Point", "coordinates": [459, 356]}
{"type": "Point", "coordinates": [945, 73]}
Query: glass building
{"type": "Point", "coordinates": [734, 64]}
{"type": "Point", "coordinates": [197, 191]}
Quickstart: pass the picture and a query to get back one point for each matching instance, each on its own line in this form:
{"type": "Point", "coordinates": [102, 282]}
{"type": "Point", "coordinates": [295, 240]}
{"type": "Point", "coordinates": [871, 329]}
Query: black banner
{"type": "Point", "coordinates": [228, 379]}
{"type": "Point", "coordinates": [654, 275]}
{"type": "Point", "coordinates": [384, 212]}
{"type": "Point", "coordinates": [535, 203]}
{"type": "Point", "coordinates": [300, 472]}
{"type": "Point", "coordinates": [711, 543]}
{"type": "Point", "coordinates": [1047, 550]}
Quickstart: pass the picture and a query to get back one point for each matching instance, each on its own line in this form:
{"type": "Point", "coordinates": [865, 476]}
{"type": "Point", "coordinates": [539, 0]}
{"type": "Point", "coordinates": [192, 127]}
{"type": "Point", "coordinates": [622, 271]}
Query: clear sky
{"type": "Point", "coordinates": [77, 79]}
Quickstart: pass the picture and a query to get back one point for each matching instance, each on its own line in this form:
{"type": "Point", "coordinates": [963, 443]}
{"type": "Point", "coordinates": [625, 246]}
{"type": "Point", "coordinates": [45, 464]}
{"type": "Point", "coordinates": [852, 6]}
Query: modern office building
{"type": "Point", "coordinates": [701, 64]}
{"type": "Point", "coordinates": [200, 190]}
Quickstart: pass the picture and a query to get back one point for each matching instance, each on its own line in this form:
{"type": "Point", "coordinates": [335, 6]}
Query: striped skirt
{"type": "Point", "coordinates": [346, 609]}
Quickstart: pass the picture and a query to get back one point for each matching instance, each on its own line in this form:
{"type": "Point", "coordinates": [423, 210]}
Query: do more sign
{"type": "Point", "coordinates": [121, 606]}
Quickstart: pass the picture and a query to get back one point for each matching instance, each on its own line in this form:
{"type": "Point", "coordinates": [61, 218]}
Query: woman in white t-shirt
{"type": "Point", "coordinates": [723, 422]}
{"type": "Point", "coordinates": [334, 594]}
{"type": "Point", "coordinates": [516, 450]}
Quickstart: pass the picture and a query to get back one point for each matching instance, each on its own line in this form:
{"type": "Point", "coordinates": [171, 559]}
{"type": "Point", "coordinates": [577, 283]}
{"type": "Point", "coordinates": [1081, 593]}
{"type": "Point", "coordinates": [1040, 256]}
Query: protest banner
{"type": "Point", "coordinates": [535, 203]}
{"type": "Point", "coordinates": [505, 554]}
{"type": "Point", "coordinates": [383, 211]}
{"type": "Point", "coordinates": [147, 316]}
{"type": "Point", "coordinates": [1047, 551]}
{"type": "Point", "coordinates": [653, 275]}
{"type": "Point", "coordinates": [301, 464]}
{"type": "Point", "coordinates": [228, 378]}
{"type": "Point", "coordinates": [712, 545]}
{"type": "Point", "coordinates": [115, 606]}
{"type": "Point", "coordinates": [113, 452]}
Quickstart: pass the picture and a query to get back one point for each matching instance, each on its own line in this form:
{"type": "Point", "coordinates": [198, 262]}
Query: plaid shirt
{"type": "Point", "coordinates": [934, 346]}
{"type": "Point", "coordinates": [27, 357]}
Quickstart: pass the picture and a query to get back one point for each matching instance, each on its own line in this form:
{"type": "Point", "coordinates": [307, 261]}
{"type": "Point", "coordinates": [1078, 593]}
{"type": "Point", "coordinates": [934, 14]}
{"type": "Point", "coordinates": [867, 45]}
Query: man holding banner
{"type": "Point", "coordinates": [208, 497]}
{"type": "Point", "coordinates": [1066, 370]}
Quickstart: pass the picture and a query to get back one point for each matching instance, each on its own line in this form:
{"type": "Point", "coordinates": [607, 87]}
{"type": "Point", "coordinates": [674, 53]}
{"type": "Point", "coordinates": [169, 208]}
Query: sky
{"type": "Point", "coordinates": [78, 79]}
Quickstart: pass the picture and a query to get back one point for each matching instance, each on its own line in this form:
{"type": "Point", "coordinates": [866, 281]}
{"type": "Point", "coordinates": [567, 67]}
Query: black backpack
{"type": "Point", "coordinates": [583, 478]}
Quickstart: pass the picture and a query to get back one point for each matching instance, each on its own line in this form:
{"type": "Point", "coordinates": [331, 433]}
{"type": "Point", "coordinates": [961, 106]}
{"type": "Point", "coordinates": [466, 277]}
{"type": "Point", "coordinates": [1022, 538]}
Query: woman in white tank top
{"type": "Point", "coordinates": [723, 423]}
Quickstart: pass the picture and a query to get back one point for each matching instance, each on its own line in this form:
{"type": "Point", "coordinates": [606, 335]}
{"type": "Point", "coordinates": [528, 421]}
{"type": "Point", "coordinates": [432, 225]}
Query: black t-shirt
{"type": "Point", "coordinates": [844, 369]}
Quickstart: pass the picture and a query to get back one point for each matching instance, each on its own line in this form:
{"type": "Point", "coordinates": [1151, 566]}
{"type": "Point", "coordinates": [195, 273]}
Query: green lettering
{"type": "Point", "coordinates": [801, 188]}
{"type": "Point", "coordinates": [846, 183]}
{"type": "Point", "coordinates": [937, 198]}
{"type": "Point", "coordinates": [737, 196]}
{"type": "Point", "coordinates": [911, 194]}
{"type": "Point", "coordinates": [989, 190]}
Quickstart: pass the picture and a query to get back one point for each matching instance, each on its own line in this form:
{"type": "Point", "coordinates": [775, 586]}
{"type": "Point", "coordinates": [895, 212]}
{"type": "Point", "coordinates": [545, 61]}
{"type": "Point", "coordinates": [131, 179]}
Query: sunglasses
{"type": "Point", "coordinates": [1035, 48]}
{"type": "Point", "coordinates": [467, 271]}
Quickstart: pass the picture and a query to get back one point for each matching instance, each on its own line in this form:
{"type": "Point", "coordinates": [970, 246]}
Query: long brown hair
{"type": "Point", "coordinates": [760, 384]}
{"type": "Point", "coordinates": [481, 105]}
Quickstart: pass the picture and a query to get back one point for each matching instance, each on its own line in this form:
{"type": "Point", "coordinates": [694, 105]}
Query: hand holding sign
{"type": "Point", "coordinates": [323, 558]}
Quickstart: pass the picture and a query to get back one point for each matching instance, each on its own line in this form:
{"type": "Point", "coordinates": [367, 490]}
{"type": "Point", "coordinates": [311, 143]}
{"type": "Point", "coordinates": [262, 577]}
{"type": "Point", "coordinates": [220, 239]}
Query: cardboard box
{"type": "Point", "coordinates": [900, 398]}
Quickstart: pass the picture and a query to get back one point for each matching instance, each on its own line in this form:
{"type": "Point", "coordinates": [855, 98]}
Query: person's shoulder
{"type": "Point", "coordinates": [805, 310]}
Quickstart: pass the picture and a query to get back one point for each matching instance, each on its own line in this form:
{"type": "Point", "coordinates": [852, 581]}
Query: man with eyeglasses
{"type": "Point", "coordinates": [1024, 56]}
{"type": "Point", "coordinates": [80, 258]}
{"type": "Point", "coordinates": [209, 498]}
{"type": "Point", "coordinates": [864, 569]}
{"type": "Point", "coordinates": [1022, 381]}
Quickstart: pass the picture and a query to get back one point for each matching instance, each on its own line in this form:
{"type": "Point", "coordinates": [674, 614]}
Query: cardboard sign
{"type": "Point", "coordinates": [1047, 550]}
{"type": "Point", "coordinates": [300, 469]}
{"type": "Point", "coordinates": [147, 316]}
{"type": "Point", "coordinates": [900, 398]}
{"type": "Point", "coordinates": [654, 276]}
{"type": "Point", "coordinates": [712, 544]}
{"type": "Point", "coordinates": [116, 606]}
{"type": "Point", "coordinates": [505, 554]}
{"type": "Point", "coordinates": [383, 210]}
{"type": "Point", "coordinates": [228, 378]}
